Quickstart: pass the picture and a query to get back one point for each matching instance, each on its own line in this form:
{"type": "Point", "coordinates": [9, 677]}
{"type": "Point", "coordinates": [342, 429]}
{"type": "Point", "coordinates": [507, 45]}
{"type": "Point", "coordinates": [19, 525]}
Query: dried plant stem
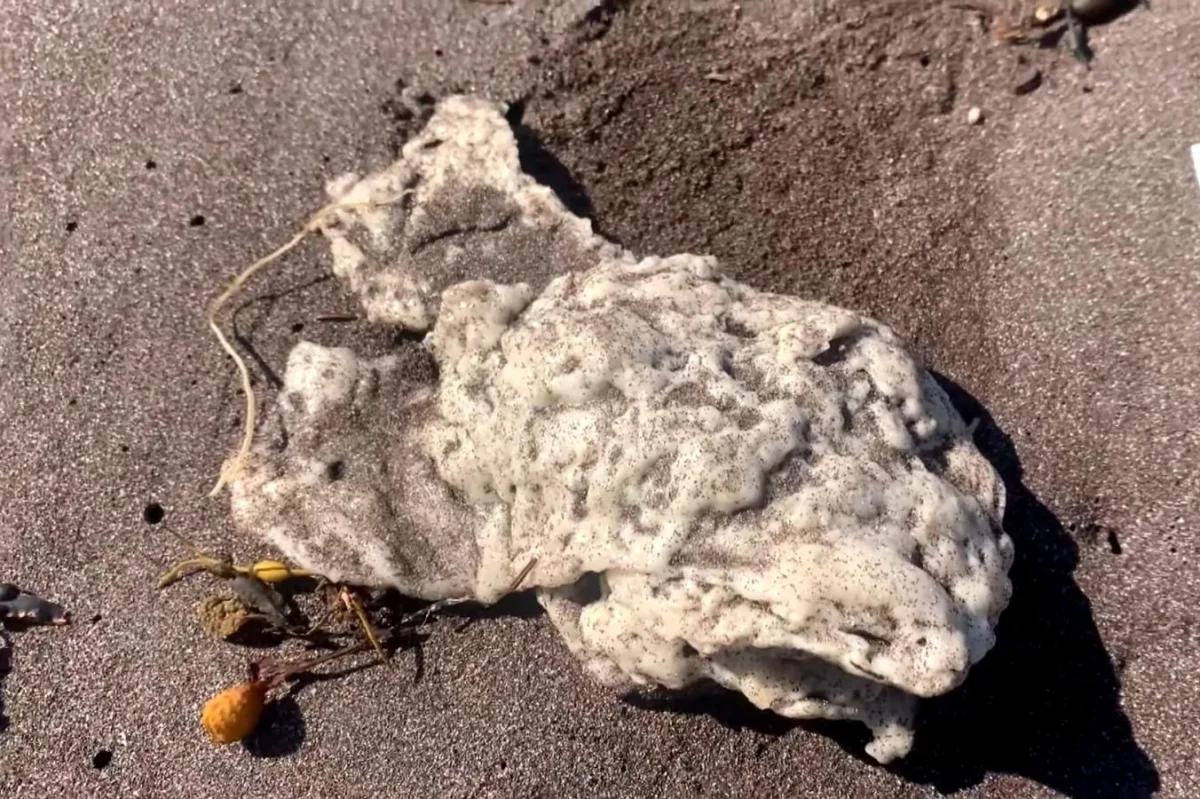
{"type": "Point", "coordinates": [274, 679]}
{"type": "Point", "coordinates": [520, 578]}
{"type": "Point", "coordinates": [437, 607]}
{"type": "Point", "coordinates": [352, 603]}
{"type": "Point", "coordinates": [233, 466]}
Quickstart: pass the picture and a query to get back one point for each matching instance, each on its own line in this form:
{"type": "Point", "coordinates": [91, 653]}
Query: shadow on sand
{"type": "Point", "coordinates": [542, 165]}
{"type": "Point", "coordinates": [1045, 703]}
{"type": "Point", "coordinates": [281, 732]}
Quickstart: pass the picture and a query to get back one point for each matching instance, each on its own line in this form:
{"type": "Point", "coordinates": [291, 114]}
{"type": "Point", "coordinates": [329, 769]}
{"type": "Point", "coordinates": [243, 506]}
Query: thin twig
{"type": "Point", "coordinates": [512, 588]}
{"type": "Point", "coordinates": [289, 671]}
{"type": "Point", "coordinates": [233, 466]}
{"type": "Point", "coordinates": [521, 576]}
{"type": "Point", "coordinates": [442, 604]}
{"type": "Point", "coordinates": [352, 603]}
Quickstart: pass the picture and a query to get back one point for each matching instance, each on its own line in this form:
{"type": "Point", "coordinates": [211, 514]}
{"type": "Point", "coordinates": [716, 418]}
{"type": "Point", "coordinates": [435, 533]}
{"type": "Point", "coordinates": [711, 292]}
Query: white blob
{"type": "Point", "coordinates": [715, 483]}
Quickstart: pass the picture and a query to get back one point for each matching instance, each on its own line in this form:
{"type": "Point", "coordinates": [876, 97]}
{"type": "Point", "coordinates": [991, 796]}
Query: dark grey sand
{"type": "Point", "coordinates": [1048, 261]}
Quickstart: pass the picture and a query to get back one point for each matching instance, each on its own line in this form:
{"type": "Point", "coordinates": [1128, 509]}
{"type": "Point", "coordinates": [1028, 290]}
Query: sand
{"type": "Point", "coordinates": [1045, 261]}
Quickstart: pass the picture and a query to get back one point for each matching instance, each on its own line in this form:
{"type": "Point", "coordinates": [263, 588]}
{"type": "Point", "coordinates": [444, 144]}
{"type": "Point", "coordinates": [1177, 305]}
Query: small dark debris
{"type": "Point", "coordinates": [151, 163]}
{"type": "Point", "coordinates": [868, 636]}
{"type": "Point", "coordinates": [72, 226]}
{"type": "Point", "coordinates": [437, 51]}
{"type": "Point", "coordinates": [235, 88]}
{"type": "Point", "coordinates": [1077, 34]}
{"type": "Point", "coordinates": [923, 60]}
{"type": "Point", "coordinates": [101, 759]}
{"type": "Point", "coordinates": [1029, 82]}
{"type": "Point", "coordinates": [26, 608]}
{"type": "Point", "coordinates": [196, 221]}
{"type": "Point", "coordinates": [397, 112]}
{"type": "Point", "coordinates": [297, 327]}
{"type": "Point", "coordinates": [335, 471]}
{"type": "Point", "coordinates": [1114, 543]}
{"type": "Point", "coordinates": [96, 618]}
{"type": "Point", "coordinates": [153, 513]}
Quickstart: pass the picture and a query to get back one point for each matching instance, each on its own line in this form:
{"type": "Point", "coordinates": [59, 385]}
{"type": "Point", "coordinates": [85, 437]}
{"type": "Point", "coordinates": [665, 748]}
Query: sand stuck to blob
{"type": "Point", "coordinates": [713, 483]}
